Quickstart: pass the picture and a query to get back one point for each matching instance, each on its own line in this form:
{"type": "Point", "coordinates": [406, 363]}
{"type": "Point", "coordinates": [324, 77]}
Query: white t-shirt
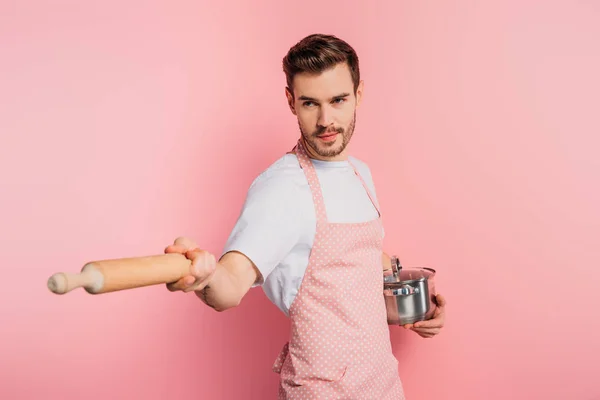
{"type": "Point", "coordinates": [277, 223]}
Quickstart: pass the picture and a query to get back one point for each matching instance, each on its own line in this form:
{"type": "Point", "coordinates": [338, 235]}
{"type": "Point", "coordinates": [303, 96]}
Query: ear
{"type": "Point", "coordinates": [290, 100]}
{"type": "Point", "coordinates": [359, 93]}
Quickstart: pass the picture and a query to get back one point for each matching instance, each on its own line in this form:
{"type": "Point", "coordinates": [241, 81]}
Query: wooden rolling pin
{"type": "Point", "coordinates": [124, 273]}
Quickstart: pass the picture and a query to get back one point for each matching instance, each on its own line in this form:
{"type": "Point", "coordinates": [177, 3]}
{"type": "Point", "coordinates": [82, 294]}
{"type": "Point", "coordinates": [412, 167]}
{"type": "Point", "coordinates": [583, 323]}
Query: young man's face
{"type": "Point", "coordinates": [325, 105]}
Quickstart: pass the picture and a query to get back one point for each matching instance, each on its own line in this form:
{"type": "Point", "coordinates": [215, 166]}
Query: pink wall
{"type": "Point", "coordinates": [120, 121]}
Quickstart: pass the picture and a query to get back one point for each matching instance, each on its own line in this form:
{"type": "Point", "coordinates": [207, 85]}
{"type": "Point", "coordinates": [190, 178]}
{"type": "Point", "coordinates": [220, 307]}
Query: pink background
{"type": "Point", "coordinates": [126, 124]}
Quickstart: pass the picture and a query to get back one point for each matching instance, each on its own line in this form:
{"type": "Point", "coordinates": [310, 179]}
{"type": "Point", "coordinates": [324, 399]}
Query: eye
{"type": "Point", "coordinates": [339, 101]}
{"type": "Point", "coordinates": [308, 103]}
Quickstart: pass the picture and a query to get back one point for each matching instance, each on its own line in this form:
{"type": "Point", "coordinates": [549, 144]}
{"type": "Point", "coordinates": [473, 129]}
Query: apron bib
{"type": "Point", "coordinates": [339, 346]}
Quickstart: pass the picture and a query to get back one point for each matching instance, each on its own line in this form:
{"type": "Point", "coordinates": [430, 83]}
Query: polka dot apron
{"type": "Point", "coordinates": [339, 346]}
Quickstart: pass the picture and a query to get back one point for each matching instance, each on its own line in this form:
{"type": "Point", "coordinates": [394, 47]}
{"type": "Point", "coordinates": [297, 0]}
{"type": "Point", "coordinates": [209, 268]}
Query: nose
{"type": "Point", "coordinates": [325, 117]}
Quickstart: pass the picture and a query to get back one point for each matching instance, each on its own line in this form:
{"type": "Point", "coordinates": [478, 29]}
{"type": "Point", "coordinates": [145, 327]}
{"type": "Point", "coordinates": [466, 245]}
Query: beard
{"type": "Point", "coordinates": [329, 149]}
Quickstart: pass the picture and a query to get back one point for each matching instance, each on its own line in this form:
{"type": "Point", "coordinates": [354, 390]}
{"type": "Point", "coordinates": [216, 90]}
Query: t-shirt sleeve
{"type": "Point", "coordinates": [268, 226]}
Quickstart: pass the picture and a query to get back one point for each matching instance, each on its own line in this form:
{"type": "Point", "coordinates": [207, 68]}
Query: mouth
{"type": "Point", "coordinates": [328, 137]}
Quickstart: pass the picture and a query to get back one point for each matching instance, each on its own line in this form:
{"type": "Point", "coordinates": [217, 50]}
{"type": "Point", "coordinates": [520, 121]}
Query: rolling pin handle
{"type": "Point", "coordinates": [89, 278]}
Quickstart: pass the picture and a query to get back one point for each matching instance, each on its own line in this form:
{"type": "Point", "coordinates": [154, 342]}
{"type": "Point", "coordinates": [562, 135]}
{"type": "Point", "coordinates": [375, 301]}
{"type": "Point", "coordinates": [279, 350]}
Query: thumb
{"type": "Point", "coordinates": [202, 268]}
{"type": "Point", "coordinates": [440, 300]}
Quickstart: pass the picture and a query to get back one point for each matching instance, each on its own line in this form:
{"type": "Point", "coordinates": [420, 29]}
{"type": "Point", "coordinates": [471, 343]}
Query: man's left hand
{"type": "Point", "coordinates": [433, 326]}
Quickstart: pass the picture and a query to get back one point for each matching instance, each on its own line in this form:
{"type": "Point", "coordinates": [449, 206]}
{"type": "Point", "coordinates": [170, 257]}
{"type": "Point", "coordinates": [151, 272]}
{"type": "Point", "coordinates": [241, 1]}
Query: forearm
{"type": "Point", "coordinates": [233, 277]}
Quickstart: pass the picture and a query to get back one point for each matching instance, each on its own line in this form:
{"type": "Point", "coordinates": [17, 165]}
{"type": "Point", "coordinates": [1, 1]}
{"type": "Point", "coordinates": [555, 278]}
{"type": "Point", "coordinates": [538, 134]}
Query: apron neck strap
{"type": "Point", "coordinates": [315, 187]}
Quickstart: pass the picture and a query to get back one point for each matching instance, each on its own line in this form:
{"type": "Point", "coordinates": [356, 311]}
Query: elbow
{"type": "Point", "coordinates": [223, 307]}
{"type": "Point", "coordinates": [228, 304]}
{"type": "Point", "coordinates": [231, 300]}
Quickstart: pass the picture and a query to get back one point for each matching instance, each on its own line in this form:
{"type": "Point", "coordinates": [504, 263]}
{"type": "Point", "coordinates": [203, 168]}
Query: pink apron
{"type": "Point", "coordinates": [340, 346]}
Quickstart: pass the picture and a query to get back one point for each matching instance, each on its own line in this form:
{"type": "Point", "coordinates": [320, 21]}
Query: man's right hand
{"type": "Point", "coordinates": [201, 270]}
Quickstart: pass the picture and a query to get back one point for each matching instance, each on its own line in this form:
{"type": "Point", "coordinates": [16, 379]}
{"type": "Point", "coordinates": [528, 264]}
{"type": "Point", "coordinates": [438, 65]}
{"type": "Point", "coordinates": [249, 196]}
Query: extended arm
{"type": "Point", "coordinates": [267, 229]}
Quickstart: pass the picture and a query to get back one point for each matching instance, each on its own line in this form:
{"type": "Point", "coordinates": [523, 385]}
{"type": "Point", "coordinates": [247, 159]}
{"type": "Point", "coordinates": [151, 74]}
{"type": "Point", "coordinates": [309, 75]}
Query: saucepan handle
{"type": "Point", "coordinates": [396, 266]}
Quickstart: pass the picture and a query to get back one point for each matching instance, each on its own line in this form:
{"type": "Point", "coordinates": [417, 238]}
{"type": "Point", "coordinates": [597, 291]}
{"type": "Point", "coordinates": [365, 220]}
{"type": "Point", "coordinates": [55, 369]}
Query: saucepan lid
{"type": "Point", "coordinates": [407, 275]}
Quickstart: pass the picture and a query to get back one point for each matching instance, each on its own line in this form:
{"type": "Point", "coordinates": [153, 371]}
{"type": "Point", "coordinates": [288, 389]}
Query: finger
{"type": "Point", "coordinates": [436, 322]}
{"type": "Point", "coordinates": [425, 335]}
{"type": "Point", "coordinates": [407, 326]}
{"type": "Point", "coordinates": [175, 249]}
{"type": "Point", "coordinates": [181, 284]}
{"type": "Point", "coordinates": [429, 331]}
{"type": "Point", "coordinates": [203, 263]}
{"type": "Point", "coordinates": [202, 268]}
{"type": "Point", "coordinates": [431, 324]}
{"type": "Point", "coordinates": [197, 285]}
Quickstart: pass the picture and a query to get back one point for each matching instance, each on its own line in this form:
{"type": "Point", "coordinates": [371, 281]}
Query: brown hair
{"type": "Point", "coordinates": [317, 53]}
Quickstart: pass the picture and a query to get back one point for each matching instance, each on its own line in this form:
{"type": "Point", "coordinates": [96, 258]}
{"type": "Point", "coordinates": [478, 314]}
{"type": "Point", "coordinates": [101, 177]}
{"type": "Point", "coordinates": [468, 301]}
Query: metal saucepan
{"type": "Point", "coordinates": [409, 294]}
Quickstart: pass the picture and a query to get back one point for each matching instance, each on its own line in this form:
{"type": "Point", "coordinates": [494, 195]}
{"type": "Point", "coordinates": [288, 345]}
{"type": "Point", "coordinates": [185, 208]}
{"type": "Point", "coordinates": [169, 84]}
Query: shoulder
{"type": "Point", "coordinates": [277, 181]}
{"type": "Point", "coordinates": [280, 168]}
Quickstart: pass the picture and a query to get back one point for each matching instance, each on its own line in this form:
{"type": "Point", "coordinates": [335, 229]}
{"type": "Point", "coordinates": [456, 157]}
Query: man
{"type": "Point", "coordinates": [310, 233]}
